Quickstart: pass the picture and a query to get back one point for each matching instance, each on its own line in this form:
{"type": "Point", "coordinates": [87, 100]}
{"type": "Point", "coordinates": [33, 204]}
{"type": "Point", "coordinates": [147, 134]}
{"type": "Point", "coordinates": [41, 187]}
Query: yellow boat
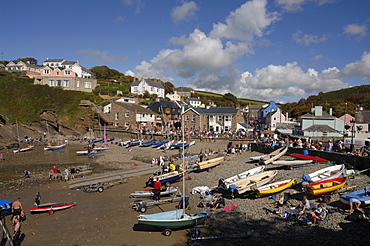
{"type": "Point", "coordinates": [325, 186]}
{"type": "Point", "coordinates": [275, 187]}
{"type": "Point", "coordinates": [210, 163]}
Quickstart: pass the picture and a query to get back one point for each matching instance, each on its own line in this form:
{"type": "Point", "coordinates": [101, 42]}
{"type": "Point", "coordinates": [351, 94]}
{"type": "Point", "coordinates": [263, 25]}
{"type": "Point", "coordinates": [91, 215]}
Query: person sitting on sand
{"type": "Point", "coordinates": [219, 202]}
{"type": "Point", "coordinates": [281, 204]}
{"type": "Point", "coordinates": [305, 204]}
{"type": "Point", "coordinates": [354, 204]}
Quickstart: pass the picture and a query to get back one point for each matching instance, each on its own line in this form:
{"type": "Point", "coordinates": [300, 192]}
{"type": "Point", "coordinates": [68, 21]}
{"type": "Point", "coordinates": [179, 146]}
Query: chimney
{"type": "Point", "coordinates": [331, 111]}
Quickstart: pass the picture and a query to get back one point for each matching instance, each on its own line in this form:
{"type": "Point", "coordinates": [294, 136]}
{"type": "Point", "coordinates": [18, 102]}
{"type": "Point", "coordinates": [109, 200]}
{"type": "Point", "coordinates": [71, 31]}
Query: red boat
{"type": "Point", "coordinates": [308, 157]}
{"type": "Point", "coordinates": [325, 186]}
{"type": "Point", "coordinates": [51, 207]}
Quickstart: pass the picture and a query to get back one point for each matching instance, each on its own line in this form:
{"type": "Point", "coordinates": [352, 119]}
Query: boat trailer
{"type": "Point", "coordinates": [142, 205]}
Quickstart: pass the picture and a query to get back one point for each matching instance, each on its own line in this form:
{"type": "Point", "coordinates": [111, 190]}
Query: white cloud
{"type": "Point", "coordinates": [249, 21]}
{"type": "Point", "coordinates": [307, 39]}
{"type": "Point", "coordinates": [358, 68]}
{"type": "Point", "coordinates": [102, 56]}
{"type": "Point", "coordinates": [297, 5]}
{"type": "Point", "coordinates": [355, 29]}
{"type": "Point", "coordinates": [137, 4]}
{"type": "Point", "coordinates": [184, 11]}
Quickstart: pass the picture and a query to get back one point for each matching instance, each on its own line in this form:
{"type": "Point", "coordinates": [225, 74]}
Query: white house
{"type": "Point", "coordinates": [139, 87]}
{"type": "Point", "coordinates": [194, 101]}
{"type": "Point", "coordinates": [173, 97]}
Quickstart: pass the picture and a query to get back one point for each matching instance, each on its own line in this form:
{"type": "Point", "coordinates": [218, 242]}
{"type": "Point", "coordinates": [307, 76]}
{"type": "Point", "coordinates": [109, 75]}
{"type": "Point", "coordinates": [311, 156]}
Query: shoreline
{"type": "Point", "coordinates": [107, 218]}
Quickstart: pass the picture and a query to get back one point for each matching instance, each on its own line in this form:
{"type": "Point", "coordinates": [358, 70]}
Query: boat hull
{"type": "Point", "coordinates": [255, 181]}
{"type": "Point", "coordinates": [308, 157]}
{"type": "Point", "coordinates": [274, 187]}
{"type": "Point", "coordinates": [276, 154]}
{"type": "Point", "coordinates": [362, 195]}
{"type": "Point", "coordinates": [52, 207]}
{"type": "Point", "coordinates": [148, 194]}
{"type": "Point", "coordinates": [331, 172]}
{"type": "Point", "coordinates": [226, 182]}
{"type": "Point", "coordinates": [172, 219]}
{"type": "Point", "coordinates": [24, 149]}
{"type": "Point", "coordinates": [210, 163]}
{"type": "Point", "coordinates": [325, 186]}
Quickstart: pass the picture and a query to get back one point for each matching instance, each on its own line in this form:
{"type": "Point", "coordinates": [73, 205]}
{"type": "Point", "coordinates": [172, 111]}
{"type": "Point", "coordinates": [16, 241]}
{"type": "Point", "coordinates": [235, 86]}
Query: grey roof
{"type": "Point", "coordinates": [134, 108]}
{"type": "Point", "coordinates": [53, 60]}
{"type": "Point", "coordinates": [320, 128]}
{"type": "Point", "coordinates": [165, 104]}
{"type": "Point", "coordinates": [193, 99]}
{"type": "Point", "coordinates": [216, 110]}
{"type": "Point", "coordinates": [311, 116]}
{"type": "Point", "coordinates": [184, 89]}
{"type": "Point", "coordinates": [69, 62]}
{"type": "Point", "coordinates": [150, 82]}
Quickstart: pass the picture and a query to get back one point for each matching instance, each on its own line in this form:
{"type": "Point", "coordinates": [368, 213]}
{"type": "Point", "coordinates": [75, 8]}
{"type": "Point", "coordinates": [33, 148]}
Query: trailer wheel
{"type": "Point", "coordinates": [167, 232]}
{"type": "Point", "coordinates": [142, 209]}
{"type": "Point", "coordinates": [100, 189]}
{"type": "Point", "coordinates": [327, 199]}
{"type": "Point", "coordinates": [51, 212]}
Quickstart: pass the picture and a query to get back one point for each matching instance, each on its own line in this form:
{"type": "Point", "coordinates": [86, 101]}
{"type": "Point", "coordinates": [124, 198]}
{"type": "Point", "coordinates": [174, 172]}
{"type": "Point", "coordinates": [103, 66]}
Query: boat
{"type": "Point", "coordinates": [326, 173]}
{"type": "Point", "coordinates": [256, 158]}
{"type": "Point", "coordinates": [166, 145]}
{"type": "Point", "coordinates": [210, 163]}
{"type": "Point", "coordinates": [159, 143]}
{"type": "Point", "coordinates": [363, 195]}
{"type": "Point", "coordinates": [28, 147]}
{"type": "Point", "coordinates": [325, 186]}
{"type": "Point", "coordinates": [274, 155]}
{"type": "Point", "coordinates": [98, 140]}
{"type": "Point", "coordinates": [133, 143]}
{"type": "Point", "coordinates": [255, 181]}
{"type": "Point", "coordinates": [167, 178]}
{"type": "Point", "coordinates": [51, 207]}
{"type": "Point", "coordinates": [147, 144]}
{"type": "Point", "coordinates": [275, 187]}
{"type": "Point", "coordinates": [149, 193]}
{"type": "Point", "coordinates": [176, 218]}
{"type": "Point", "coordinates": [53, 147]}
{"type": "Point", "coordinates": [100, 148]}
{"type": "Point", "coordinates": [292, 163]}
{"type": "Point", "coordinates": [82, 152]}
{"type": "Point", "coordinates": [5, 204]}
{"type": "Point", "coordinates": [226, 182]}
{"type": "Point", "coordinates": [180, 145]}
{"type": "Point", "coordinates": [308, 157]}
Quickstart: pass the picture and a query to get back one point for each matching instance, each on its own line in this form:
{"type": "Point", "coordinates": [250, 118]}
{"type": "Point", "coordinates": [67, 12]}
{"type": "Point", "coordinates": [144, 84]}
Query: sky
{"type": "Point", "coordinates": [269, 50]}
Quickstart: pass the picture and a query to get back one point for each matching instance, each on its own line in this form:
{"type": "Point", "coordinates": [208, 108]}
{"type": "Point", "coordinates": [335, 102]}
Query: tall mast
{"type": "Point", "coordinates": [183, 158]}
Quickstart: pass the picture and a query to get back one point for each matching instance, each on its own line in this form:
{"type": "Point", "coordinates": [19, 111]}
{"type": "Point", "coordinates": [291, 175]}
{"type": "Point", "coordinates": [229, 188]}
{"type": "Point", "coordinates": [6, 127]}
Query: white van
{"type": "Point", "coordinates": [358, 143]}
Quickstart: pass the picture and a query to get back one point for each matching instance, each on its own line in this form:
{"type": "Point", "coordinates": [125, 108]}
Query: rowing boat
{"type": "Point", "coordinates": [274, 187]}
{"type": "Point", "coordinates": [330, 172]}
{"type": "Point", "coordinates": [210, 163]}
{"type": "Point", "coordinates": [226, 182]}
{"type": "Point", "coordinates": [29, 147]}
{"type": "Point", "coordinates": [274, 155]}
{"type": "Point", "coordinates": [255, 181]}
{"type": "Point", "coordinates": [308, 157]}
{"type": "Point", "coordinates": [149, 193]}
{"type": "Point", "coordinates": [166, 178]}
{"type": "Point", "coordinates": [363, 195]}
{"type": "Point", "coordinates": [51, 207]}
{"type": "Point", "coordinates": [256, 158]}
{"type": "Point", "coordinates": [53, 147]}
{"type": "Point", "coordinates": [325, 186]}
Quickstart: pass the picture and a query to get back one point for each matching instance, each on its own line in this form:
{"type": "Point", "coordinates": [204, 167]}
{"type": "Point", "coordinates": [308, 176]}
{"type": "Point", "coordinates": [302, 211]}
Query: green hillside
{"type": "Point", "coordinates": [23, 101]}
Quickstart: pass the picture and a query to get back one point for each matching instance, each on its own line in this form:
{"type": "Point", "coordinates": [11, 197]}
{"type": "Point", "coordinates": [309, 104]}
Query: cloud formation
{"type": "Point", "coordinates": [307, 39]}
{"type": "Point", "coordinates": [184, 11]}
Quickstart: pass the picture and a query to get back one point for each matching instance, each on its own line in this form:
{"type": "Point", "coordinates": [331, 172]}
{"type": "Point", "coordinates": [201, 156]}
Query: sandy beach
{"type": "Point", "coordinates": [107, 218]}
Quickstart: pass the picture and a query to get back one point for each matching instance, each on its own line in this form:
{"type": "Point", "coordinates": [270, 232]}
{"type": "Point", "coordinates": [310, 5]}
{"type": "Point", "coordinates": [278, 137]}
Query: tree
{"type": "Point", "coordinates": [168, 87]}
{"type": "Point", "coordinates": [29, 60]}
{"type": "Point", "coordinates": [104, 72]}
{"type": "Point", "coordinates": [231, 97]}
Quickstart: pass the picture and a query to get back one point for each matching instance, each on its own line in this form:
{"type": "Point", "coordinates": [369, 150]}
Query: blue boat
{"type": "Point", "coordinates": [362, 195]}
{"type": "Point", "coordinates": [98, 140]}
{"type": "Point", "coordinates": [159, 143]}
{"type": "Point", "coordinates": [133, 143]}
{"type": "Point", "coordinates": [166, 178]}
{"type": "Point", "coordinates": [5, 204]}
{"type": "Point", "coordinates": [146, 144]}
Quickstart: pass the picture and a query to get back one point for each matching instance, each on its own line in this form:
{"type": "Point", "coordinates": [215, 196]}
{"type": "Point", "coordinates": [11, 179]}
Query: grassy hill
{"type": "Point", "coordinates": [220, 101]}
{"type": "Point", "coordinates": [24, 102]}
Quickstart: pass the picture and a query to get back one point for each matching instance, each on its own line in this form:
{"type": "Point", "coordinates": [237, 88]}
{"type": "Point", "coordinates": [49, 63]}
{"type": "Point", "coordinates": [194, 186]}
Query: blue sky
{"type": "Point", "coordinates": [281, 50]}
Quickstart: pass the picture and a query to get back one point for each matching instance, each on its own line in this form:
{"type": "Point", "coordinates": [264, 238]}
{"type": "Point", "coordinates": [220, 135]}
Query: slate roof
{"type": "Point", "coordinates": [216, 110]}
{"type": "Point", "coordinates": [320, 128]}
{"type": "Point", "coordinates": [134, 108]}
{"type": "Point", "coordinates": [150, 82]}
{"type": "Point", "coordinates": [324, 116]}
{"type": "Point", "coordinates": [53, 60]}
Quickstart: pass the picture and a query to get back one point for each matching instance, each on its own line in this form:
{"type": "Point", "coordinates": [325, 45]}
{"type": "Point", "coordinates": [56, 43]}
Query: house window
{"type": "Point", "coordinates": [151, 89]}
{"type": "Point", "coordinates": [59, 83]}
{"type": "Point", "coordinates": [227, 128]}
{"type": "Point", "coordinates": [127, 114]}
{"type": "Point", "coordinates": [135, 89]}
{"type": "Point", "coordinates": [67, 72]}
{"type": "Point", "coordinates": [57, 73]}
{"type": "Point", "coordinates": [116, 123]}
{"type": "Point", "coordinates": [211, 118]}
{"type": "Point", "coordinates": [46, 71]}
{"type": "Point", "coordinates": [186, 117]}
{"type": "Point", "coordinates": [217, 128]}
{"type": "Point", "coordinates": [193, 118]}
{"type": "Point", "coordinates": [127, 123]}
{"type": "Point", "coordinates": [116, 116]}
{"type": "Point", "coordinates": [227, 118]}
{"type": "Point", "coordinates": [78, 84]}
{"type": "Point", "coordinates": [51, 83]}
{"type": "Point", "coordinates": [88, 85]}
{"type": "Point", "coordinates": [66, 83]}
{"type": "Point", "coordinates": [220, 118]}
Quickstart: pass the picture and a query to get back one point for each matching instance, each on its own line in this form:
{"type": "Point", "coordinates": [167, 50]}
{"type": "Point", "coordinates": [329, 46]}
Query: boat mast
{"type": "Point", "coordinates": [183, 159]}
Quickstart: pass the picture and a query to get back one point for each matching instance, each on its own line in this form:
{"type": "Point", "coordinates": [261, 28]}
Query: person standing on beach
{"type": "Point", "coordinates": [16, 209]}
{"type": "Point", "coordinates": [37, 199]}
{"type": "Point", "coordinates": [66, 174]}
